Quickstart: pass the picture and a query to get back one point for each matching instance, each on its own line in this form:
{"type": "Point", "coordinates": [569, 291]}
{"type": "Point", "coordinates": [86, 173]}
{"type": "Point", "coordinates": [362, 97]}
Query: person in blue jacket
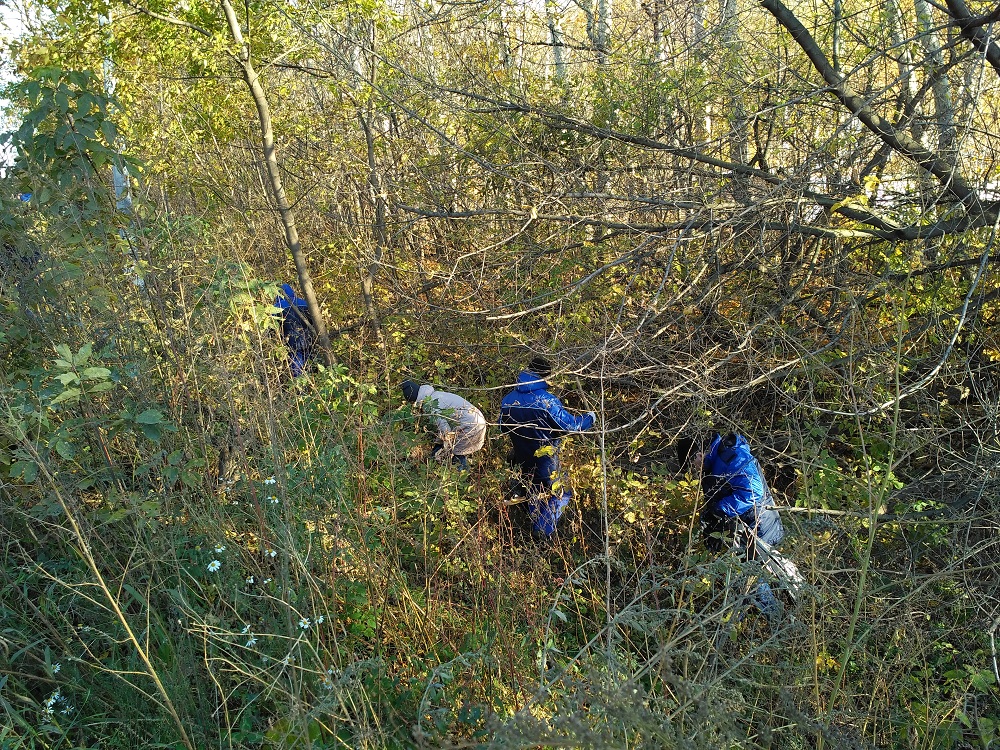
{"type": "Point", "coordinates": [297, 328]}
{"type": "Point", "coordinates": [535, 420]}
{"type": "Point", "coordinates": [738, 510]}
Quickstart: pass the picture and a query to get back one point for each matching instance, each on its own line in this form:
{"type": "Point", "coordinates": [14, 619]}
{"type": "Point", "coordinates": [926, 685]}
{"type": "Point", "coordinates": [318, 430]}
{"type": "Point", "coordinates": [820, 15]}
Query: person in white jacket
{"type": "Point", "coordinates": [461, 427]}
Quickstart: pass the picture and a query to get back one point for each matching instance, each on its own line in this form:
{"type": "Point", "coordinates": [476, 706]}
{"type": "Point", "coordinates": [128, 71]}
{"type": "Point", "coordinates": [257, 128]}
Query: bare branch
{"type": "Point", "coordinates": [971, 27]}
{"type": "Point", "coordinates": [903, 144]}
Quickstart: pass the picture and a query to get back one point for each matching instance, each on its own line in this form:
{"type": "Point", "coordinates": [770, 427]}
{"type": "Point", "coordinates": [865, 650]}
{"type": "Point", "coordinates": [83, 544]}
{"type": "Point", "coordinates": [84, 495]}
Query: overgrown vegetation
{"type": "Point", "coordinates": [684, 207]}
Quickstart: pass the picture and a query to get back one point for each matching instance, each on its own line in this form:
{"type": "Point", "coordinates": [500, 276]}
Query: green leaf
{"type": "Point", "coordinates": [84, 354]}
{"type": "Point", "coordinates": [67, 377]}
{"type": "Point", "coordinates": [70, 394]}
{"type": "Point", "coordinates": [84, 104]}
{"type": "Point", "coordinates": [95, 373]}
{"type": "Point", "coordinates": [104, 385]}
{"type": "Point", "coordinates": [110, 132]}
{"type": "Point", "coordinates": [983, 680]}
{"type": "Point", "coordinates": [65, 352]}
{"type": "Point", "coordinates": [26, 470]}
{"type": "Point", "coordinates": [79, 78]}
{"type": "Point", "coordinates": [150, 416]}
{"type": "Point", "coordinates": [151, 431]}
{"type": "Point", "coordinates": [64, 449]}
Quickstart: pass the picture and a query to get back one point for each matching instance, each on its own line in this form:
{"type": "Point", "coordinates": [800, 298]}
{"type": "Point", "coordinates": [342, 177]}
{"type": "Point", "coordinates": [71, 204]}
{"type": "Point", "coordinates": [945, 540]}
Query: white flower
{"type": "Point", "coordinates": [56, 667]}
{"type": "Point", "coordinates": [221, 548]}
{"type": "Point", "coordinates": [273, 500]}
{"type": "Point", "coordinates": [271, 553]}
{"type": "Point", "coordinates": [304, 623]}
{"type": "Point", "coordinates": [50, 705]}
{"type": "Point", "coordinates": [252, 642]}
{"type": "Point", "coordinates": [249, 579]}
{"type": "Point", "coordinates": [270, 480]}
{"type": "Point", "coordinates": [267, 580]}
{"type": "Point", "coordinates": [320, 620]}
{"type": "Point", "coordinates": [214, 566]}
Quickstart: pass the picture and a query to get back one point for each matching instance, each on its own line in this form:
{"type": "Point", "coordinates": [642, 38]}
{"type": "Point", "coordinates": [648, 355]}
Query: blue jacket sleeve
{"type": "Point", "coordinates": [563, 419]}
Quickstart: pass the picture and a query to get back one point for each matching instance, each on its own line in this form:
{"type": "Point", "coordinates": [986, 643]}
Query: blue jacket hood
{"type": "Point", "coordinates": [528, 381]}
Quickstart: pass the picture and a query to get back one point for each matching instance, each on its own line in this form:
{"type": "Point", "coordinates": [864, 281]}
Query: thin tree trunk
{"type": "Point", "coordinates": [838, 20]}
{"type": "Point", "coordinates": [252, 80]}
{"type": "Point", "coordinates": [603, 30]}
{"type": "Point", "coordinates": [378, 227]}
{"type": "Point", "coordinates": [739, 136]}
{"type": "Point", "coordinates": [697, 23]}
{"type": "Point", "coordinates": [942, 168]}
{"type": "Point", "coordinates": [976, 31]}
{"type": "Point", "coordinates": [944, 109]}
{"type": "Point", "coordinates": [659, 33]}
{"type": "Point", "coordinates": [556, 37]}
{"type": "Point", "coordinates": [904, 63]}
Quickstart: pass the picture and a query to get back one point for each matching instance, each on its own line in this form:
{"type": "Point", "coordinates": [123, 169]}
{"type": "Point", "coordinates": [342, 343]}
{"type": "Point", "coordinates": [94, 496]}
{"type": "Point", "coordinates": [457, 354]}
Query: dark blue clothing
{"type": "Point", "coordinates": [535, 420]}
{"type": "Point", "coordinates": [731, 477]}
{"type": "Point", "coordinates": [296, 328]}
{"type": "Point", "coordinates": [548, 494]}
{"type": "Point", "coordinates": [737, 498]}
{"type": "Point", "coordinates": [737, 507]}
{"type": "Point", "coordinates": [532, 413]}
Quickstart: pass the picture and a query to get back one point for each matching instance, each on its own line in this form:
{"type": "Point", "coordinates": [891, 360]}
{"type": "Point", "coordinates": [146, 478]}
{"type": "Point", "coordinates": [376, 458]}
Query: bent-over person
{"type": "Point", "coordinates": [536, 420]}
{"type": "Point", "coordinates": [461, 427]}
